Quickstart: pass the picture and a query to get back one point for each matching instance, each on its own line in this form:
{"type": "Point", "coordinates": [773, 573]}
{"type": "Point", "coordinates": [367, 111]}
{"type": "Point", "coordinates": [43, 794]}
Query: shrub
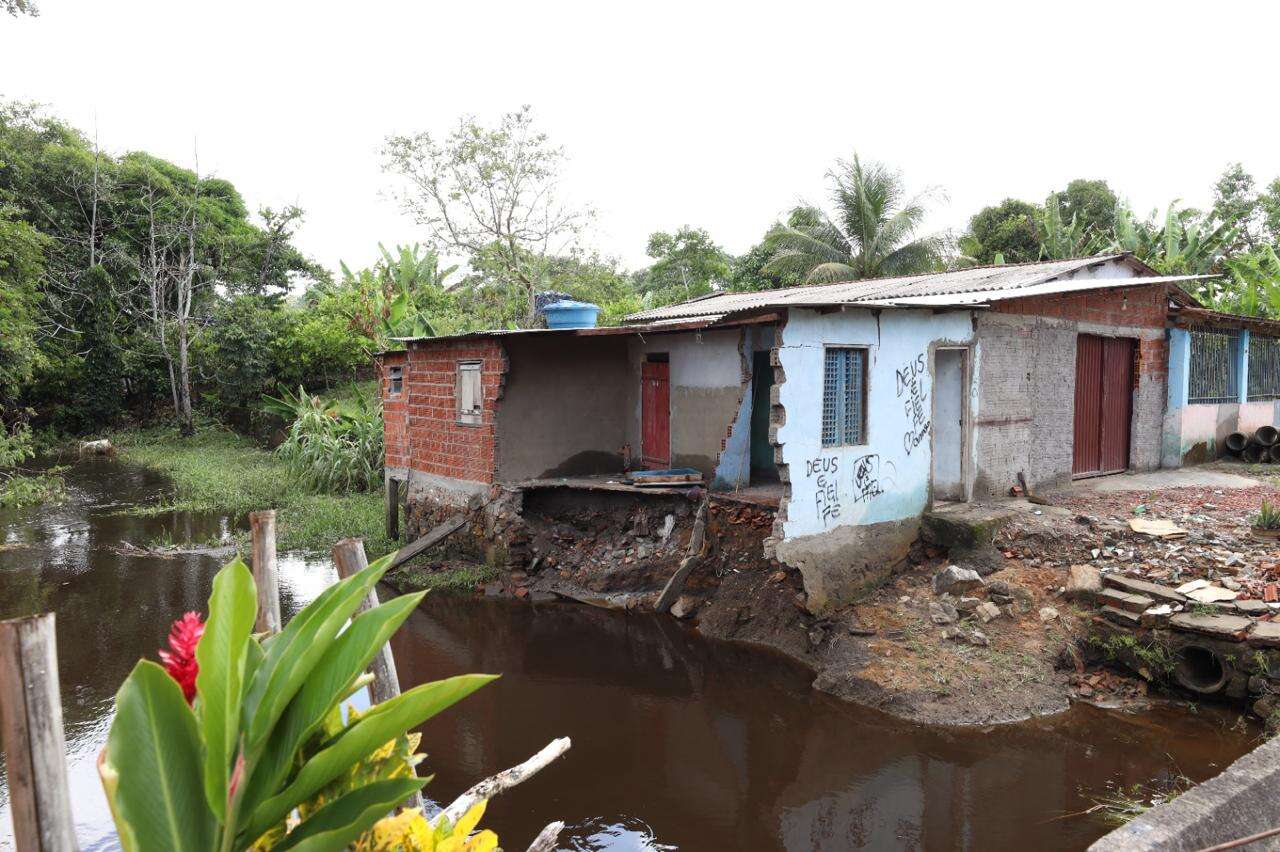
{"type": "Point", "coordinates": [1268, 517]}
{"type": "Point", "coordinates": [332, 447]}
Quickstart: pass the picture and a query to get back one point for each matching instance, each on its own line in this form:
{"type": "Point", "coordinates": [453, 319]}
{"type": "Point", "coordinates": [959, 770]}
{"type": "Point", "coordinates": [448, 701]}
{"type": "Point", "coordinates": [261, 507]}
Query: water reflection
{"type": "Point", "coordinates": [678, 742]}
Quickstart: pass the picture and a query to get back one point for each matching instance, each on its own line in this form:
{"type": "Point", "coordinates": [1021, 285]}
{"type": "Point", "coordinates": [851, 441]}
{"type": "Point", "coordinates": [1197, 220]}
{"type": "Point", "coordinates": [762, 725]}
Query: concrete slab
{"type": "Point", "coordinates": [1265, 634]}
{"type": "Point", "coordinates": [1183, 477]}
{"type": "Point", "coordinates": [1229, 627]}
{"type": "Point", "coordinates": [1125, 600]}
{"type": "Point", "coordinates": [1134, 586]}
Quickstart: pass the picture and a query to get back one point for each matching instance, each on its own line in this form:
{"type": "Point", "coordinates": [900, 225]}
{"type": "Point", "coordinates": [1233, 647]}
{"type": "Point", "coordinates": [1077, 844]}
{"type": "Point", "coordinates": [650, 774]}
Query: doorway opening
{"type": "Point", "coordinates": [950, 422]}
{"type": "Point", "coordinates": [763, 466]}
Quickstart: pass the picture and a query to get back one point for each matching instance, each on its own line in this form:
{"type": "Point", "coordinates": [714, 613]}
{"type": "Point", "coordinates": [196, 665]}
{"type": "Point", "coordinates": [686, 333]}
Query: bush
{"type": "Point", "coordinates": [333, 448]}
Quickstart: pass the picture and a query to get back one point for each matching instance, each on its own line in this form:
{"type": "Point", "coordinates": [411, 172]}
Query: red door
{"type": "Point", "coordinates": [655, 414]}
{"type": "Point", "coordinates": [1103, 405]}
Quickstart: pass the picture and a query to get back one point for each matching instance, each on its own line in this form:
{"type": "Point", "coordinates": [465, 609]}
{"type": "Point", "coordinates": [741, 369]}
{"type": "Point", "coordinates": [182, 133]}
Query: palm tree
{"type": "Point", "coordinates": [871, 235]}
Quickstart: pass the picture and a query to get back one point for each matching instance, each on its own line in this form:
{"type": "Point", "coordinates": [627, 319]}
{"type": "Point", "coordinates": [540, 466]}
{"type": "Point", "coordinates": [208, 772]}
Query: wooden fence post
{"type": "Point", "coordinates": [350, 558]}
{"type": "Point", "coordinates": [263, 526]}
{"type": "Point", "coordinates": [34, 745]}
{"type": "Point", "coordinates": [393, 508]}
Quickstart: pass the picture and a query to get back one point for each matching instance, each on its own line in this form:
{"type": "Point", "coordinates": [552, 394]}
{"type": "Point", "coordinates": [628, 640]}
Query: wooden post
{"type": "Point", "coordinates": [393, 509]}
{"type": "Point", "coordinates": [350, 558]}
{"type": "Point", "coordinates": [263, 526]}
{"type": "Point", "coordinates": [34, 746]}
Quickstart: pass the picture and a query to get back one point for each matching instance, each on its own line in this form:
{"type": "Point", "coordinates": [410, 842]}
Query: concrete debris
{"type": "Point", "coordinates": [1212, 594]}
{"type": "Point", "coordinates": [1048, 613]}
{"type": "Point", "coordinates": [1142, 587]}
{"type": "Point", "coordinates": [1125, 600]}
{"type": "Point", "coordinates": [967, 605]}
{"type": "Point", "coordinates": [1229, 627]}
{"type": "Point", "coordinates": [954, 580]}
{"type": "Point", "coordinates": [1156, 527]}
{"type": "Point", "coordinates": [1265, 634]}
{"type": "Point", "coordinates": [1084, 582]}
{"type": "Point", "coordinates": [942, 613]}
{"type": "Point", "coordinates": [685, 606]}
{"type": "Point", "coordinates": [1121, 616]}
{"type": "Point", "coordinates": [987, 611]}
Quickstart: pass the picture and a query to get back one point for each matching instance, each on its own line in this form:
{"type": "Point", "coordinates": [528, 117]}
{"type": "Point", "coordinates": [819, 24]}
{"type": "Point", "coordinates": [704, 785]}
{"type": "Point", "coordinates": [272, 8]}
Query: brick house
{"type": "Point", "coordinates": [851, 407]}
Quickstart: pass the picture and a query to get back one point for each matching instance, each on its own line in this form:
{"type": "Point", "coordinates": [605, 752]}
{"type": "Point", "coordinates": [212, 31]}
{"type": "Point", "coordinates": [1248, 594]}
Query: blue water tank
{"type": "Point", "coordinates": [570, 314]}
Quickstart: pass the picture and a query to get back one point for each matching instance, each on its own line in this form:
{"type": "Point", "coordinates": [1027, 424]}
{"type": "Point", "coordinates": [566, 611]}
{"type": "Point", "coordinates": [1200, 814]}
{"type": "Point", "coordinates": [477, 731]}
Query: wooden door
{"type": "Point", "coordinates": [1103, 405]}
{"type": "Point", "coordinates": [655, 414]}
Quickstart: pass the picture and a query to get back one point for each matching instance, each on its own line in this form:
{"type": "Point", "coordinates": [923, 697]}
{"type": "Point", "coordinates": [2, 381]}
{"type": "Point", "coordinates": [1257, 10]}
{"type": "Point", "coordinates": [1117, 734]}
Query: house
{"type": "Point", "coordinates": [852, 407]}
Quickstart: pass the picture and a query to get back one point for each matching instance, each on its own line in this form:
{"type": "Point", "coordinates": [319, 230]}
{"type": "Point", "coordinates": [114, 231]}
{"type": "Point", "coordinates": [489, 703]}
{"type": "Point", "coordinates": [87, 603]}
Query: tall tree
{"type": "Point", "coordinates": [1008, 232]}
{"type": "Point", "coordinates": [492, 191]}
{"type": "Point", "coordinates": [870, 234]}
{"type": "Point", "coordinates": [686, 264]}
{"type": "Point", "coordinates": [1091, 204]}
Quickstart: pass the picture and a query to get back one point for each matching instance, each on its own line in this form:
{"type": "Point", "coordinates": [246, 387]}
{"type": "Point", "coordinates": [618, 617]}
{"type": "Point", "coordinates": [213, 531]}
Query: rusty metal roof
{"type": "Point", "coordinates": [964, 287]}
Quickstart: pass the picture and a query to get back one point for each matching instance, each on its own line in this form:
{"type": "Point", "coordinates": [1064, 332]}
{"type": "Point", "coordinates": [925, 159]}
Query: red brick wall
{"type": "Point", "coordinates": [422, 429]}
{"type": "Point", "coordinates": [394, 413]}
{"type": "Point", "coordinates": [1142, 307]}
{"type": "Point", "coordinates": [1132, 306]}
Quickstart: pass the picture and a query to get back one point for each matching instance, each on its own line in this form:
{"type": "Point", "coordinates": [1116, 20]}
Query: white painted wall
{"type": "Point", "coordinates": [886, 479]}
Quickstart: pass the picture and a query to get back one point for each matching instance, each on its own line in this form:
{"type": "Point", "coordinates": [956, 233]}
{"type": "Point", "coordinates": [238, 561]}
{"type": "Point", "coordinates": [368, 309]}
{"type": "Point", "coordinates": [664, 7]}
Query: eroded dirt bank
{"type": "Point", "coordinates": [937, 644]}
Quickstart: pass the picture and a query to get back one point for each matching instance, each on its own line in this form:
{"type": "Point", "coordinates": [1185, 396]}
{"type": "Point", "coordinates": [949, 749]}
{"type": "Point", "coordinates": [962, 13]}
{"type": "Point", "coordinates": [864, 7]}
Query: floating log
{"type": "Point", "coordinates": [431, 539]}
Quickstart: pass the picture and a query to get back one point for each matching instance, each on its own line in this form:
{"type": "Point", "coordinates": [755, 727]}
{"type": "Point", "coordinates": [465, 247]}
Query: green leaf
{"type": "Point", "coordinates": [342, 821]}
{"type": "Point", "coordinates": [294, 652]}
{"type": "Point", "coordinates": [382, 723]}
{"type": "Point", "coordinates": [154, 750]}
{"type": "Point", "coordinates": [330, 682]}
{"type": "Point", "coordinates": [233, 606]}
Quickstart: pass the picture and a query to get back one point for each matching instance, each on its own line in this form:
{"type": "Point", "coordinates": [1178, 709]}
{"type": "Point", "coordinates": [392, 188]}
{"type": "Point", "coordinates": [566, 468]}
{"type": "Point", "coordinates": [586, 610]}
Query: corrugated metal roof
{"type": "Point", "coordinates": [976, 285]}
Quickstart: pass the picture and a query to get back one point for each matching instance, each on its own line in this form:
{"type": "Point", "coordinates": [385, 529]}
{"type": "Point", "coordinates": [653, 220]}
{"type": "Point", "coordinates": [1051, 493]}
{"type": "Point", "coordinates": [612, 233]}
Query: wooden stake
{"type": "Point", "coordinates": [263, 526]}
{"type": "Point", "coordinates": [34, 745]}
{"type": "Point", "coordinates": [350, 558]}
{"type": "Point", "coordinates": [393, 509]}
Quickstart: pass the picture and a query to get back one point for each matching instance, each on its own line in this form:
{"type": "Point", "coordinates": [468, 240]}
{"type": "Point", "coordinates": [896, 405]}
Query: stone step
{"type": "Point", "coordinates": [1134, 586]}
{"type": "Point", "coordinates": [1125, 600]}
{"type": "Point", "coordinates": [1230, 627]}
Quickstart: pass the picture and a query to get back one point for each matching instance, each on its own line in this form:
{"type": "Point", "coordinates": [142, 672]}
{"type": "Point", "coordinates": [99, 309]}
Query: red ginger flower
{"type": "Point", "coordinates": [180, 662]}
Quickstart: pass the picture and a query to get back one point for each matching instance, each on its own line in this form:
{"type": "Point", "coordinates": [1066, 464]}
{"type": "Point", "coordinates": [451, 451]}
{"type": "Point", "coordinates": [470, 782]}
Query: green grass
{"type": "Point", "coordinates": [218, 471]}
{"type": "Point", "coordinates": [457, 578]}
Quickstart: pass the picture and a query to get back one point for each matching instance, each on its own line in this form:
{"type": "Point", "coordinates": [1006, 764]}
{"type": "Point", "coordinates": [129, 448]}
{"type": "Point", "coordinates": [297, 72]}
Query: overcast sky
{"type": "Point", "coordinates": [718, 115]}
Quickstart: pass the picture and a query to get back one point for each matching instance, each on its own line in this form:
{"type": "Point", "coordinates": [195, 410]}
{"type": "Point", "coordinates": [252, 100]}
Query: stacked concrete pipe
{"type": "Point", "coordinates": [1261, 446]}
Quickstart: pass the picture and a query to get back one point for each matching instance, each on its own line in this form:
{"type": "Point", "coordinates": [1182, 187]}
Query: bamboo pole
{"type": "Point", "coordinates": [350, 558]}
{"type": "Point", "coordinates": [34, 745]}
{"type": "Point", "coordinates": [265, 576]}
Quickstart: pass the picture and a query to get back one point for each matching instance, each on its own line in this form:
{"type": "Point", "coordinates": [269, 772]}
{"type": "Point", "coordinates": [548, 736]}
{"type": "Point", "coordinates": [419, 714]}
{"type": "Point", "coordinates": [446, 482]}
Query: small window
{"type": "Point", "coordinates": [395, 381]}
{"type": "Point", "coordinates": [844, 383]}
{"type": "Point", "coordinates": [470, 398]}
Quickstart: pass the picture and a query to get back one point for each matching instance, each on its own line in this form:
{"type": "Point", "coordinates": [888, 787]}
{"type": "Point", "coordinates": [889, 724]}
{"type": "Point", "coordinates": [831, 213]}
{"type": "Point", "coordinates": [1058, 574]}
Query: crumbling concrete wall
{"type": "Point", "coordinates": [564, 407]}
{"type": "Point", "coordinates": [706, 385]}
{"type": "Point", "coordinates": [733, 468]}
{"type": "Point", "coordinates": [1025, 418]}
{"type": "Point", "coordinates": [851, 512]}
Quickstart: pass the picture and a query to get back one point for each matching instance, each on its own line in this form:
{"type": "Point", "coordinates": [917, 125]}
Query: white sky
{"type": "Point", "coordinates": [718, 115]}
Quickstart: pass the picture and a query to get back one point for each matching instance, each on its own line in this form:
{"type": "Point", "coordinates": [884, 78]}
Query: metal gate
{"type": "Point", "coordinates": [1104, 404]}
{"type": "Point", "coordinates": [655, 414]}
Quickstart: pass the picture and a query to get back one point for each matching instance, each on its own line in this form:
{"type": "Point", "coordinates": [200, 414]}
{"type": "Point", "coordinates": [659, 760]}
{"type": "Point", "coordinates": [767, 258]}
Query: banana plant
{"type": "Point", "coordinates": [241, 762]}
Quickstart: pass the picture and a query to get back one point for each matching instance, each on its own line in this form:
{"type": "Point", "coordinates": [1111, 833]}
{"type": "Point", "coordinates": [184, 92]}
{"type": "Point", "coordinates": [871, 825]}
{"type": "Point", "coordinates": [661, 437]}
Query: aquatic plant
{"type": "Point", "coordinates": [1118, 804]}
{"type": "Point", "coordinates": [261, 758]}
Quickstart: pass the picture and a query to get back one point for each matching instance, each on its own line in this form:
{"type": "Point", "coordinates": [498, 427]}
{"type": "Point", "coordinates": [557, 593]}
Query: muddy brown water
{"type": "Point", "coordinates": [679, 742]}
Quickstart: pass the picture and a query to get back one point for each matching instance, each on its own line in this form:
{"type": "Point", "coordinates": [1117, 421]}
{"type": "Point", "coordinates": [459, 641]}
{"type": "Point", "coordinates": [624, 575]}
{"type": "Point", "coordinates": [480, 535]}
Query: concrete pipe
{"type": "Point", "coordinates": [1201, 669]}
{"type": "Point", "coordinates": [1253, 452]}
{"type": "Point", "coordinates": [1266, 435]}
{"type": "Point", "coordinates": [1236, 442]}
{"type": "Point", "coordinates": [1273, 453]}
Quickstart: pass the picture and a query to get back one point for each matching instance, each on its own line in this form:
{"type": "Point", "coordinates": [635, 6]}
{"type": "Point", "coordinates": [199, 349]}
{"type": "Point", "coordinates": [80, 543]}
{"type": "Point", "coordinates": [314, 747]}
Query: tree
{"type": "Point", "coordinates": [1090, 203]}
{"type": "Point", "coordinates": [747, 273]}
{"type": "Point", "coordinates": [20, 7]}
{"type": "Point", "coordinates": [1063, 239]}
{"type": "Point", "coordinates": [687, 264]}
{"type": "Point", "coordinates": [492, 191]}
{"type": "Point", "coordinates": [21, 267]}
{"type": "Point", "coordinates": [1008, 232]}
{"type": "Point", "coordinates": [870, 235]}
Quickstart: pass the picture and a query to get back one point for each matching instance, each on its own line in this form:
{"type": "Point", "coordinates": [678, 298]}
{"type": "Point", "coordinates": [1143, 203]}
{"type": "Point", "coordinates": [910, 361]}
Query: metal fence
{"type": "Point", "coordinates": [1213, 366]}
{"type": "Point", "coordinates": [1264, 367]}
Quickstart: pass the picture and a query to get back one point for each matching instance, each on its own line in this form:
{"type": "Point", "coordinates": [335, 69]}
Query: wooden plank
{"type": "Point", "coordinates": [393, 509]}
{"type": "Point", "coordinates": [431, 539]}
{"type": "Point", "coordinates": [34, 745]}
{"type": "Point", "coordinates": [262, 526]}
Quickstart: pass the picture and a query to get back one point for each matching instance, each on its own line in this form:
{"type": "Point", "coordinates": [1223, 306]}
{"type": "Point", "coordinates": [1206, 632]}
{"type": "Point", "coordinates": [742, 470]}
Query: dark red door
{"type": "Point", "coordinates": [655, 414]}
{"type": "Point", "coordinates": [1103, 405]}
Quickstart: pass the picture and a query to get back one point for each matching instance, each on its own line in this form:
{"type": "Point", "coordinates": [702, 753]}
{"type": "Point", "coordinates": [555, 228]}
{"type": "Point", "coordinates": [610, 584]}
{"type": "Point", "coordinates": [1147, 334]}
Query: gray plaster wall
{"type": "Point", "coordinates": [564, 407]}
{"type": "Point", "coordinates": [1025, 415]}
{"type": "Point", "coordinates": [708, 379]}
{"type": "Point", "coordinates": [1240, 802]}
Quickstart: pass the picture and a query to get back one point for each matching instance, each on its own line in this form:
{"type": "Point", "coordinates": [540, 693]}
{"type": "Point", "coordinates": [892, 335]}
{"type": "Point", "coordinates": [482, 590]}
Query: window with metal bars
{"type": "Point", "coordinates": [1264, 367]}
{"type": "Point", "coordinates": [1213, 366]}
{"type": "Point", "coordinates": [844, 385]}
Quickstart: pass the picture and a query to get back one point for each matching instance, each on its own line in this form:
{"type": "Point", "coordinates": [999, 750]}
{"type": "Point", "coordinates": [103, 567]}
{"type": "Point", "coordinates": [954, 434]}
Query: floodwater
{"type": "Point", "coordinates": [678, 742]}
